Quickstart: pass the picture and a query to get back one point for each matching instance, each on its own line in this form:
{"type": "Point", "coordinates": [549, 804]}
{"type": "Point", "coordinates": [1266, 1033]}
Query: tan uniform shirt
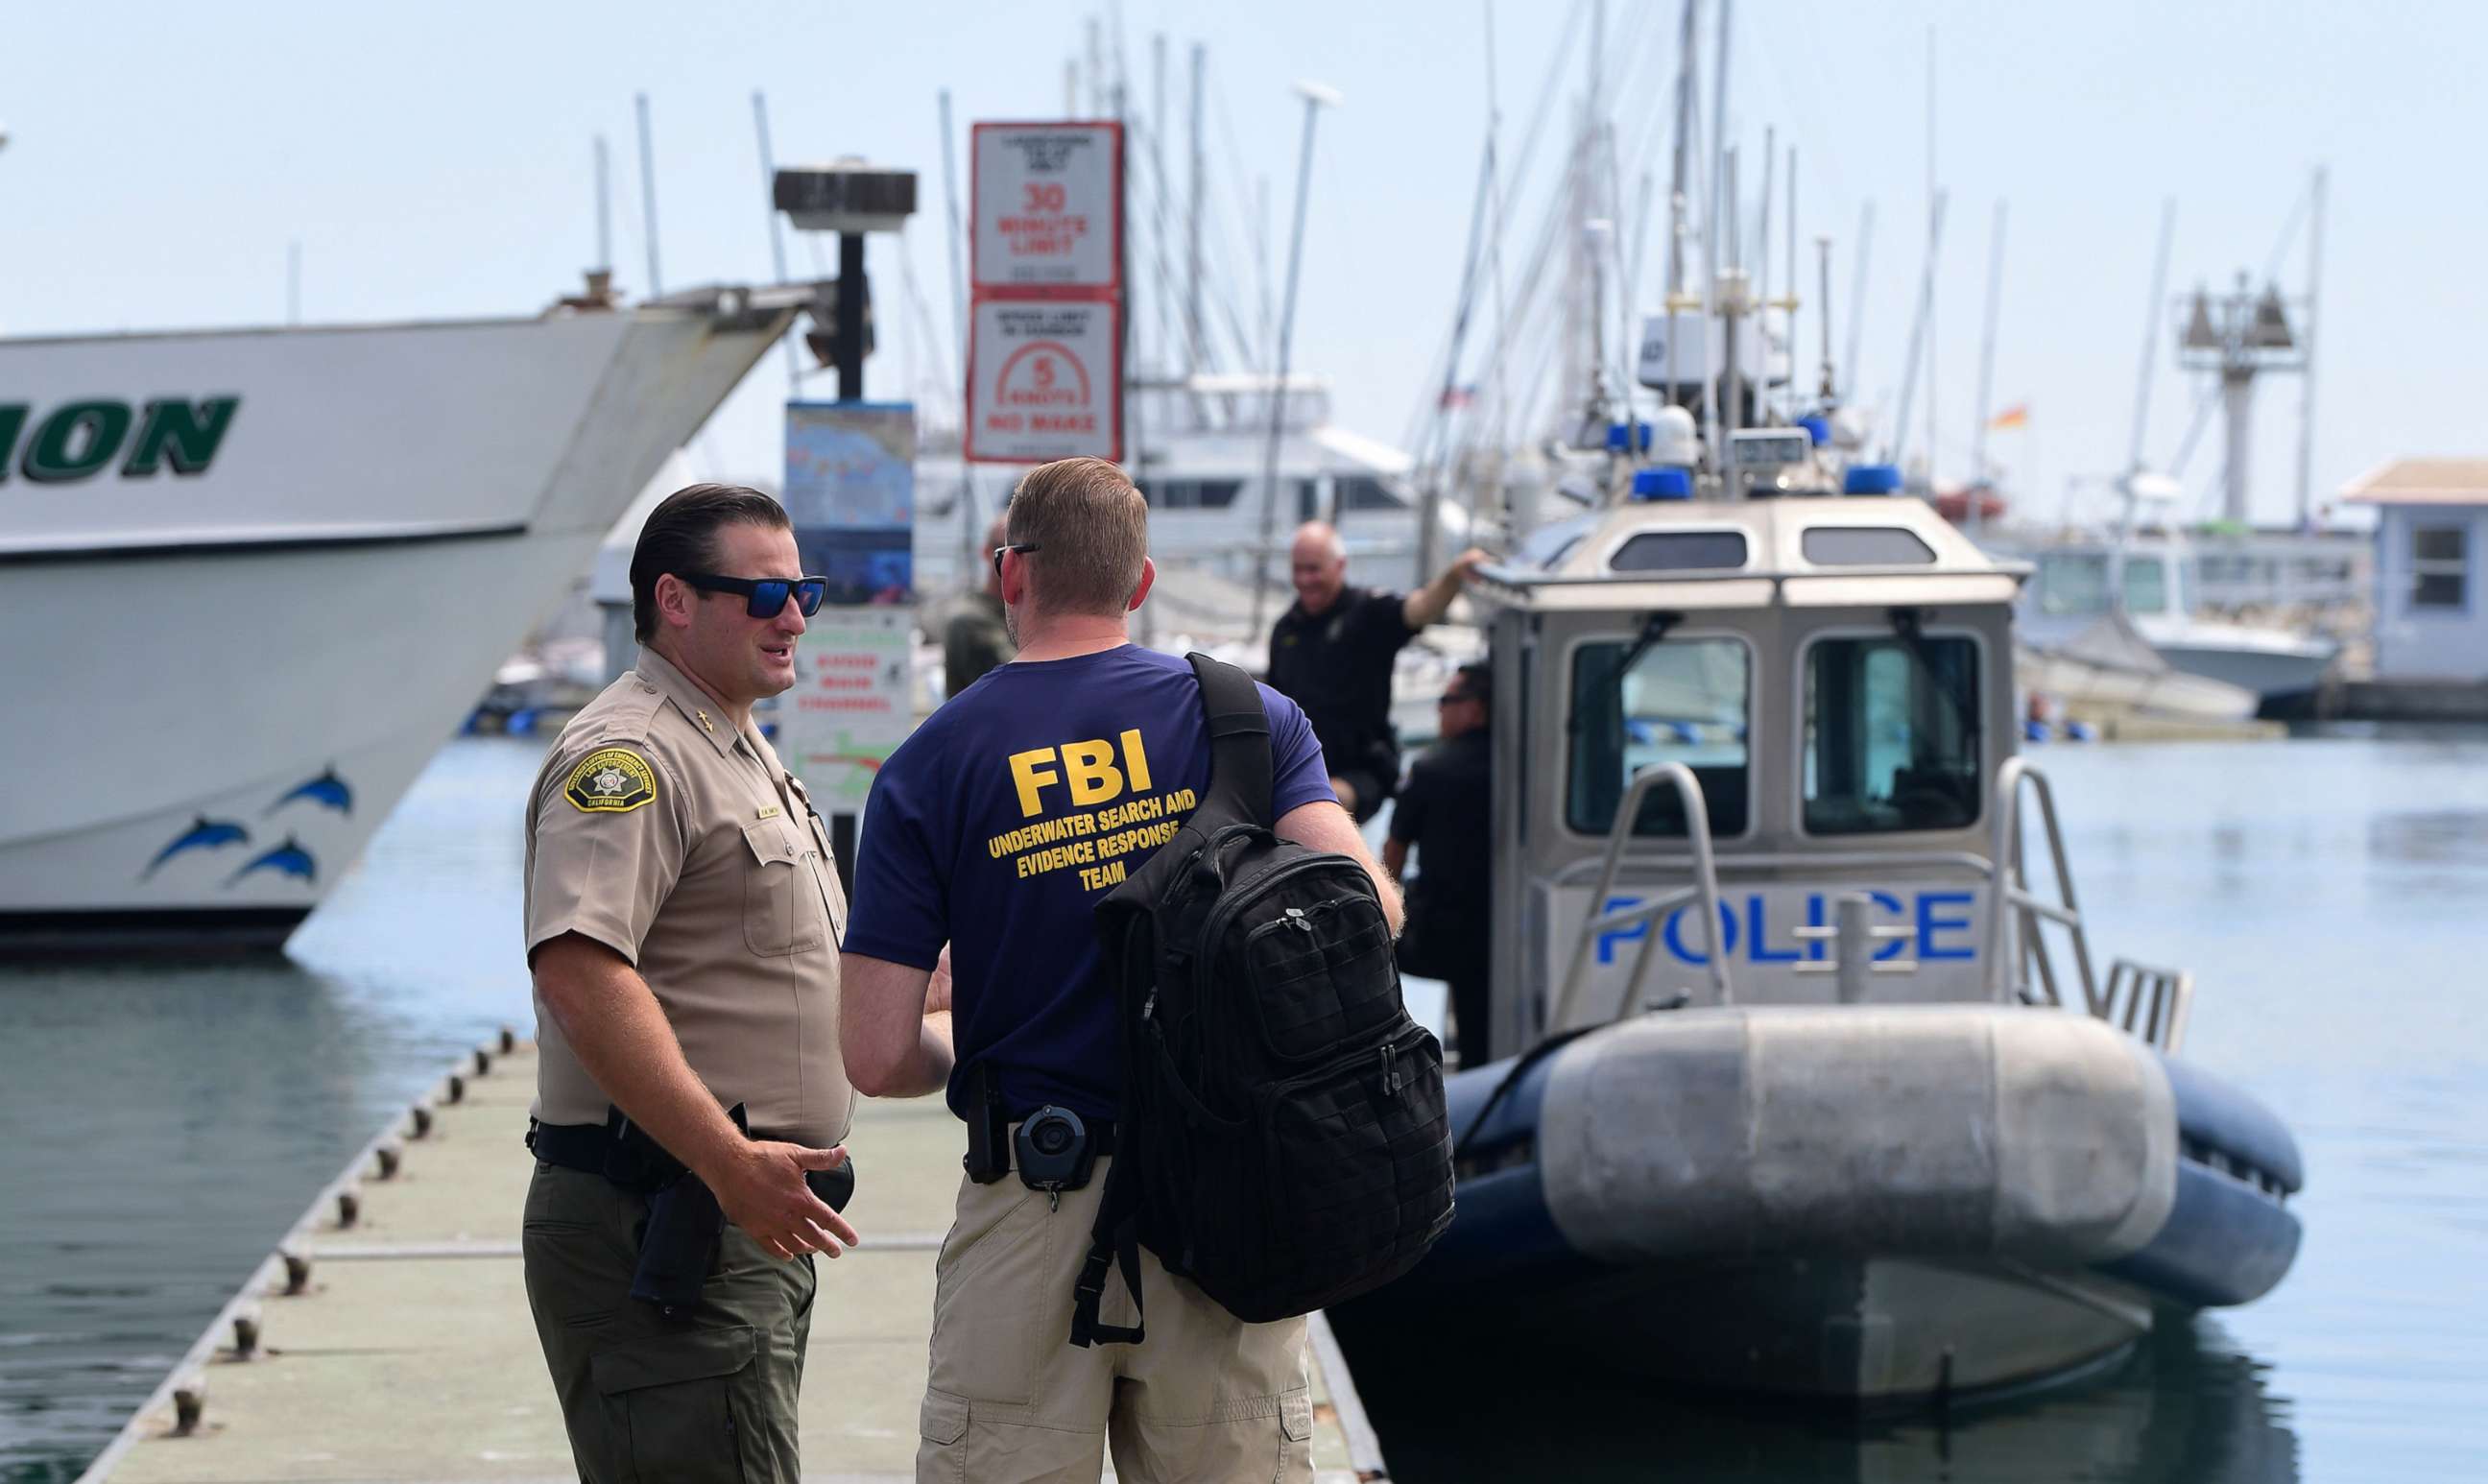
{"type": "Point", "coordinates": [661, 831]}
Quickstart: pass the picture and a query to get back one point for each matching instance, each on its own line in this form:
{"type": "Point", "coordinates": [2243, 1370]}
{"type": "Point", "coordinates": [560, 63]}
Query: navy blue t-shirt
{"type": "Point", "coordinates": [1008, 816]}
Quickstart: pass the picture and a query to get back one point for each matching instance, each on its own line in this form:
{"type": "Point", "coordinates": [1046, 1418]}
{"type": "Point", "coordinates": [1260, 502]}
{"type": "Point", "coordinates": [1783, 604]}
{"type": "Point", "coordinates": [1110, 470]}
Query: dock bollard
{"type": "Point", "coordinates": [189, 1401]}
{"type": "Point", "coordinates": [387, 1157]}
{"type": "Point", "coordinates": [457, 1089]}
{"type": "Point", "coordinates": [350, 1207]}
{"type": "Point", "coordinates": [509, 1040]}
{"type": "Point", "coordinates": [245, 1334]}
{"type": "Point", "coordinates": [483, 1061]}
{"type": "Point", "coordinates": [421, 1117]}
{"type": "Point", "coordinates": [297, 1274]}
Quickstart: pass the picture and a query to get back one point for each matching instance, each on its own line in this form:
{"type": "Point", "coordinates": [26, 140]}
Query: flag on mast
{"type": "Point", "coordinates": [2017, 416]}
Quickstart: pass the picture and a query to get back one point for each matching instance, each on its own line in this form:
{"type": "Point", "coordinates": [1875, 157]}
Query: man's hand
{"type": "Point", "coordinates": [762, 1191]}
{"type": "Point", "coordinates": [1427, 604]}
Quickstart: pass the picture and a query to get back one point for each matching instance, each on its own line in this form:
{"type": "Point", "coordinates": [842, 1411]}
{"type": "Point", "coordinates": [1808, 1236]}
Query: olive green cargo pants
{"type": "Point", "coordinates": [648, 1399]}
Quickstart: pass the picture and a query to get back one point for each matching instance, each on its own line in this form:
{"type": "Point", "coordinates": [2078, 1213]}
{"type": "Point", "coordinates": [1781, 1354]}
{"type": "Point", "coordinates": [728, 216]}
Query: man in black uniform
{"type": "Point", "coordinates": [1331, 653]}
{"type": "Point", "coordinates": [1446, 811]}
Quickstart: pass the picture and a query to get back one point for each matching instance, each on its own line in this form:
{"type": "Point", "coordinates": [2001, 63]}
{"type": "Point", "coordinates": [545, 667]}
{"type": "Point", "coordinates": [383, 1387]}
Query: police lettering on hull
{"type": "Point", "coordinates": [1941, 931]}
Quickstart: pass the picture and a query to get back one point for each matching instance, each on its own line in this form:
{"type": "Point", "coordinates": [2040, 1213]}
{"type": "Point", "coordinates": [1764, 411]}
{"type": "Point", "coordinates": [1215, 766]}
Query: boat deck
{"type": "Point", "coordinates": [410, 1355]}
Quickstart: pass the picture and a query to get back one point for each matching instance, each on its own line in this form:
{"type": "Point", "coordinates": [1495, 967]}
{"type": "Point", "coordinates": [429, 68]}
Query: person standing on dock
{"type": "Point", "coordinates": [1447, 810]}
{"type": "Point", "coordinates": [974, 636]}
{"type": "Point", "coordinates": [682, 916]}
{"type": "Point", "coordinates": [996, 829]}
{"type": "Point", "coordinates": [1331, 652]}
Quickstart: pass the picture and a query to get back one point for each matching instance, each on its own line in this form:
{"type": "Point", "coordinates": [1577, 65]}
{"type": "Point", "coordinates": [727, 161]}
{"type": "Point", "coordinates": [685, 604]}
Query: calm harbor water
{"type": "Point", "coordinates": [165, 1123]}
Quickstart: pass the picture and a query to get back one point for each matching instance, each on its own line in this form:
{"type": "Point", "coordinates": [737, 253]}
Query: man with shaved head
{"type": "Point", "coordinates": [1332, 652]}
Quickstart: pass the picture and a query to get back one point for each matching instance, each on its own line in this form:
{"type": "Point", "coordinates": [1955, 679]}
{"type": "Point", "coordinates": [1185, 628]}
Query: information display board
{"type": "Point", "coordinates": [1048, 206]}
{"type": "Point", "coordinates": [1045, 343]}
{"type": "Point", "coordinates": [1043, 377]}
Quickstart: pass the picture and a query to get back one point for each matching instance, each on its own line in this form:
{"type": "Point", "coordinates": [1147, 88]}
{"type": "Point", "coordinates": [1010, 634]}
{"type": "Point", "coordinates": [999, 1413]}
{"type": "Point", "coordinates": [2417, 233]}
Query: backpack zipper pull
{"type": "Point", "coordinates": [1149, 1006]}
{"type": "Point", "coordinates": [1389, 1073]}
{"type": "Point", "coordinates": [1296, 919]}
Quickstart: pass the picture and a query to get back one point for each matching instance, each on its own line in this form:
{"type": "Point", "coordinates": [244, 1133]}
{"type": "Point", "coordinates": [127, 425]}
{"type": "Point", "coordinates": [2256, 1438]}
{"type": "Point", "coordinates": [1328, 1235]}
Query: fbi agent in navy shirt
{"type": "Point", "coordinates": [1332, 652]}
{"type": "Point", "coordinates": [996, 829]}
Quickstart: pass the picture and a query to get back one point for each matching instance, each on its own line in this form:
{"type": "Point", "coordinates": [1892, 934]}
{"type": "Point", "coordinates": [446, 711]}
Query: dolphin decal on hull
{"type": "Point", "coordinates": [204, 834]}
{"type": "Point", "coordinates": [289, 859]}
{"type": "Point", "coordinates": [327, 789]}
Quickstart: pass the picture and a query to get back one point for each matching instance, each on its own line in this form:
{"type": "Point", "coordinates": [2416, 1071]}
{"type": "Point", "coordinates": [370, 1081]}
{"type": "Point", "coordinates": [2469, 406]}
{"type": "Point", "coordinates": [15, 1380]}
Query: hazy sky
{"type": "Point", "coordinates": [434, 160]}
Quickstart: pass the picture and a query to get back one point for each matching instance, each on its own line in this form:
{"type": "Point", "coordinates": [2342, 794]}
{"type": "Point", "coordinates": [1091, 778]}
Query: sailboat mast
{"type": "Point", "coordinates": [2314, 323]}
{"type": "Point", "coordinates": [1986, 354]}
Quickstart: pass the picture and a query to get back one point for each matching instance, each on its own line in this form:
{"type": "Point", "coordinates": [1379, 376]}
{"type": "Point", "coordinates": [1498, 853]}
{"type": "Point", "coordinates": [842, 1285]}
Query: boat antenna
{"type": "Point", "coordinates": [1315, 95]}
{"type": "Point", "coordinates": [648, 190]}
{"type": "Point", "coordinates": [1857, 295]}
{"type": "Point", "coordinates": [1918, 329]}
{"type": "Point", "coordinates": [1823, 260]}
{"type": "Point", "coordinates": [1987, 358]}
{"type": "Point", "coordinates": [2150, 342]}
{"type": "Point", "coordinates": [1191, 224]}
{"type": "Point", "coordinates": [1934, 246]}
{"type": "Point", "coordinates": [777, 234]}
{"type": "Point", "coordinates": [2308, 324]}
{"type": "Point", "coordinates": [604, 212]}
{"type": "Point", "coordinates": [1710, 228]}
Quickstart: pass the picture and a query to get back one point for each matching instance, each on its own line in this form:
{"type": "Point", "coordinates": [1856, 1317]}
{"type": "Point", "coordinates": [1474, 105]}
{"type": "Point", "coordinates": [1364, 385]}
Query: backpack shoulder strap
{"type": "Point", "coordinates": [1239, 740]}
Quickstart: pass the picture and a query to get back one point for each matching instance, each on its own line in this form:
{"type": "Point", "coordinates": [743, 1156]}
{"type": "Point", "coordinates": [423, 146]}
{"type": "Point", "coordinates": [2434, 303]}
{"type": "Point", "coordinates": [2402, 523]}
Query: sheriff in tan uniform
{"type": "Point", "coordinates": [681, 921]}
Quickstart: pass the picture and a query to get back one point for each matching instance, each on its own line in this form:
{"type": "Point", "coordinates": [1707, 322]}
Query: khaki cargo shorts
{"type": "Point", "coordinates": [1206, 1397]}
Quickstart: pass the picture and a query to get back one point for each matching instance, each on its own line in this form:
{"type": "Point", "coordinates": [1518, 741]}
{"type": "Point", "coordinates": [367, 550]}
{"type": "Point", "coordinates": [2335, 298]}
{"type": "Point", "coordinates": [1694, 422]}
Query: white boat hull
{"type": "Point", "coordinates": [232, 678]}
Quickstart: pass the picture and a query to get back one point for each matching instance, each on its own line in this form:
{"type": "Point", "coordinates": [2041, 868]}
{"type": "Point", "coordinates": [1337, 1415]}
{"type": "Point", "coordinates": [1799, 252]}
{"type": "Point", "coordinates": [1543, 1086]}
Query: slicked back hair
{"type": "Point", "coordinates": [1094, 530]}
{"type": "Point", "coordinates": [681, 536]}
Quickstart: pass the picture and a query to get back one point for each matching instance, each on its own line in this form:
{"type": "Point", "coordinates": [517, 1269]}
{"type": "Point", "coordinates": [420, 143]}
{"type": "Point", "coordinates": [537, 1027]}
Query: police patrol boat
{"type": "Point", "coordinates": [254, 578]}
{"type": "Point", "coordinates": [1818, 1088]}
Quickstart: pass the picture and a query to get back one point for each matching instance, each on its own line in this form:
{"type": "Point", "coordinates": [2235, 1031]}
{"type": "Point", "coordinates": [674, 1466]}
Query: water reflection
{"type": "Point", "coordinates": [2184, 1406]}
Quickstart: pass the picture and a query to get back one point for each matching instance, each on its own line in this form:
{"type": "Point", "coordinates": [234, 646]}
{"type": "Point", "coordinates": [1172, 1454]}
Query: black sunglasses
{"type": "Point", "coordinates": [765, 597]}
{"type": "Point", "coordinates": [1022, 547]}
{"type": "Point", "coordinates": [1453, 697]}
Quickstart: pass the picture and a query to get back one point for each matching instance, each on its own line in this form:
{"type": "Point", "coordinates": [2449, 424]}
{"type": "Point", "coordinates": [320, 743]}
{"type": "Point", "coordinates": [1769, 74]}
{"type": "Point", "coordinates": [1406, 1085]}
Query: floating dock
{"type": "Point", "coordinates": [389, 1338]}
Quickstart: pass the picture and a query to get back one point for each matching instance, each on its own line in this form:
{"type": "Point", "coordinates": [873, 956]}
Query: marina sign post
{"type": "Point", "coordinates": [1045, 346]}
{"type": "Point", "coordinates": [850, 494]}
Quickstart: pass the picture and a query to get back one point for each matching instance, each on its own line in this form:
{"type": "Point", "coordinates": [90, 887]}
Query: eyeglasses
{"type": "Point", "coordinates": [1453, 697]}
{"type": "Point", "coordinates": [765, 597]}
{"type": "Point", "coordinates": [1021, 547]}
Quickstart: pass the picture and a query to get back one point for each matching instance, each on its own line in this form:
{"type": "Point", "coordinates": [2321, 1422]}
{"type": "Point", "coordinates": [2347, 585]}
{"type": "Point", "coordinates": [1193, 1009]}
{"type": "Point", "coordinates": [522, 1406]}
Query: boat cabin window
{"type": "Point", "coordinates": [2073, 582]}
{"type": "Point", "coordinates": [1679, 550]}
{"type": "Point", "coordinates": [2146, 585]}
{"type": "Point", "coordinates": [1364, 491]}
{"type": "Point", "coordinates": [1864, 546]}
{"type": "Point", "coordinates": [1891, 735]}
{"type": "Point", "coordinates": [1191, 493]}
{"type": "Point", "coordinates": [1685, 701]}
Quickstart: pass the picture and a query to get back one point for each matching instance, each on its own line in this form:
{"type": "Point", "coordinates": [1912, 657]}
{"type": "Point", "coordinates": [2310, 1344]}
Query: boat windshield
{"type": "Point", "coordinates": [2146, 585]}
{"type": "Point", "coordinates": [1684, 701]}
{"type": "Point", "coordinates": [1890, 739]}
{"type": "Point", "coordinates": [2073, 582]}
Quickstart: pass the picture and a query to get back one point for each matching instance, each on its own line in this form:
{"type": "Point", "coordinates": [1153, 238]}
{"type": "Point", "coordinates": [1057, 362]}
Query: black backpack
{"type": "Point", "coordinates": [1283, 1142]}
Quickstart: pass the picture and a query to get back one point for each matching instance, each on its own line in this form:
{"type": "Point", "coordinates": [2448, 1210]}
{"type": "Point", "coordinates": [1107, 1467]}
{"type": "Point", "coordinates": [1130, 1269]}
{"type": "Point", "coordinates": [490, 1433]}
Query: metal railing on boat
{"type": "Point", "coordinates": [2152, 1004]}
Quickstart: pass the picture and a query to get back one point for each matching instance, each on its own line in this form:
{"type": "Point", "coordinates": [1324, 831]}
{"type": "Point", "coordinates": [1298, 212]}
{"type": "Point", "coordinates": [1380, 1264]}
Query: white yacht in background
{"type": "Point", "coordinates": [1198, 448]}
{"type": "Point", "coordinates": [255, 577]}
{"type": "Point", "coordinates": [2149, 579]}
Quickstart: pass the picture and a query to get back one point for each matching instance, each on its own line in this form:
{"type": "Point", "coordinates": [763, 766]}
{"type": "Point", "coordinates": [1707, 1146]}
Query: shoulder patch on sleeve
{"type": "Point", "coordinates": [610, 781]}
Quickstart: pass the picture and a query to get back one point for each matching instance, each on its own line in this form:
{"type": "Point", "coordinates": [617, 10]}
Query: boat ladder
{"type": "Point", "coordinates": [1704, 887]}
{"type": "Point", "coordinates": [2149, 1003]}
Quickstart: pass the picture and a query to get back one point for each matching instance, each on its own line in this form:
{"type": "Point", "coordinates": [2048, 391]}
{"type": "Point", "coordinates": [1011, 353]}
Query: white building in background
{"type": "Point", "coordinates": [2431, 536]}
